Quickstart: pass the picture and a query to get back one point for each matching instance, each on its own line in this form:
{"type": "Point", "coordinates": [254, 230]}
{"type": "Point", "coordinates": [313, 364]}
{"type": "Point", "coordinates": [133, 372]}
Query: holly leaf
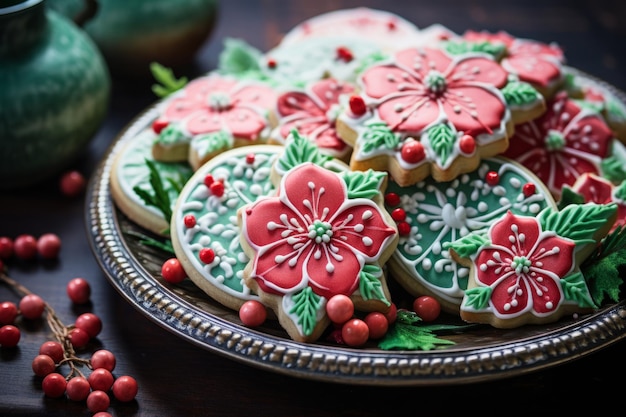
{"type": "Point", "coordinates": [605, 267]}
{"type": "Point", "coordinates": [578, 222]}
{"type": "Point", "coordinates": [468, 245]}
{"type": "Point", "coordinates": [379, 135]}
{"type": "Point", "coordinates": [298, 150]}
{"type": "Point", "coordinates": [160, 198]}
{"type": "Point", "coordinates": [520, 94]}
{"type": "Point", "coordinates": [370, 286]}
{"type": "Point", "coordinates": [238, 57]}
{"type": "Point", "coordinates": [306, 304]}
{"type": "Point", "coordinates": [477, 297]}
{"type": "Point", "coordinates": [569, 196]}
{"type": "Point", "coordinates": [575, 289]}
{"type": "Point", "coordinates": [168, 82]}
{"type": "Point", "coordinates": [406, 335]}
{"type": "Point", "coordinates": [442, 139]}
{"type": "Point", "coordinates": [363, 184]}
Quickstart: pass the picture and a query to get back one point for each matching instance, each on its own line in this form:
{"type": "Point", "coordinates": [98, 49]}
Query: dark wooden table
{"type": "Point", "coordinates": [177, 378]}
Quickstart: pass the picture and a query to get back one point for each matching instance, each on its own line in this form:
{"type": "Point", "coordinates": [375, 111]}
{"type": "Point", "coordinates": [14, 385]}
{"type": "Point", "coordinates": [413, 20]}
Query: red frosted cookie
{"type": "Point", "coordinates": [599, 190]}
{"type": "Point", "coordinates": [212, 114]}
{"type": "Point", "coordinates": [324, 233]}
{"type": "Point", "coordinates": [426, 112]}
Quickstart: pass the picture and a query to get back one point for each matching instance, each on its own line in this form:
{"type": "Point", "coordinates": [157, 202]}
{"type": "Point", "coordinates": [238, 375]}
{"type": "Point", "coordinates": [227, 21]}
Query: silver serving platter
{"type": "Point", "coordinates": [480, 353]}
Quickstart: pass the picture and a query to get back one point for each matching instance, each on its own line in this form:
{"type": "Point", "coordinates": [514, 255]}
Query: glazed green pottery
{"type": "Point", "coordinates": [54, 92]}
{"type": "Point", "coordinates": [133, 33]}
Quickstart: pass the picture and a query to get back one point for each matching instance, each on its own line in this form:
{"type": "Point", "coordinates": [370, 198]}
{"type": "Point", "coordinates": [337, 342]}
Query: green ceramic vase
{"type": "Point", "coordinates": [133, 33]}
{"type": "Point", "coordinates": [54, 92]}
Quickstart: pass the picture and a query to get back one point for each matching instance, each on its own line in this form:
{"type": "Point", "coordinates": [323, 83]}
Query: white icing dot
{"type": "Point", "coordinates": [367, 241]}
{"type": "Point", "coordinates": [549, 305]}
{"type": "Point", "coordinates": [483, 267]}
{"type": "Point", "coordinates": [367, 214]}
{"type": "Point", "coordinates": [359, 228]}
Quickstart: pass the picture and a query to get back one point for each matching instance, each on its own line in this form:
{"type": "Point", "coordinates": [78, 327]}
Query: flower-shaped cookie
{"type": "Point", "coordinates": [427, 110]}
{"type": "Point", "coordinates": [312, 112]}
{"type": "Point", "coordinates": [212, 114]}
{"type": "Point", "coordinates": [564, 143]}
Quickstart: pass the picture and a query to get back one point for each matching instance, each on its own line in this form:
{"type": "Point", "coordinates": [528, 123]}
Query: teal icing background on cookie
{"type": "Point", "coordinates": [445, 211]}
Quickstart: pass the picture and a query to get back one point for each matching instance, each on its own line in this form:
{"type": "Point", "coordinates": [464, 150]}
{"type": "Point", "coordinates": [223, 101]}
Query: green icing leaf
{"type": "Point", "coordinates": [239, 58]}
{"type": "Point", "coordinates": [442, 139]}
{"type": "Point", "coordinates": [379, 135]}
{"type": "Point", "coordinates": [213, 142]}
{"type": "Point", "coordinates": [468, 245]}
{"type": "Point", "coordinates": [569, 196]}
{"type": "Point", "coordinates": [494, 49]}
{"type": "Point", "coordinates": [369, 60]}
{"type": "Point", "coordinates": [620, 191]}
{"type": "Point", "coordinates": [305, 308]}
{"type": "Point", "coordinates": [369, 284]}
{"type": "Point", "coordinates": [519, 94]}
{"type": "Point", "coordinates": [613, 169]}
{"type": "Point", "coordinates": [160, 198]}
{"type": "Point", "coordinates": [605, 267]}
{"type": "Point", "coordinates": [575, 289]}
{"type": "Point", "coordinates": [168, 82]}
{"type": "Point", "coordinates": [299, 150]}
{"type": "Point", "coordinates": [578, 222]}
{"type": "Point", "coordinates": [171, 135]}
{"type": "Point", "coordinates": [363, 184]}
{"type": "Point", "coordinates": [407, 334]}
{"type": "Point", "coordinates": [477, 297]}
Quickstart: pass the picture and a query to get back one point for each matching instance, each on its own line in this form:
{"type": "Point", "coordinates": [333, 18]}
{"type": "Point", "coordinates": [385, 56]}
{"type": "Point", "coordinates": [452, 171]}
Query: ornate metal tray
{"type": "Point", "coordinates": [480, 353]}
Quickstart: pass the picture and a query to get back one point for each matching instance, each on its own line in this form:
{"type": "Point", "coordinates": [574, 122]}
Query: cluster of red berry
{"type": "Point", "coordinates": [96, 387]}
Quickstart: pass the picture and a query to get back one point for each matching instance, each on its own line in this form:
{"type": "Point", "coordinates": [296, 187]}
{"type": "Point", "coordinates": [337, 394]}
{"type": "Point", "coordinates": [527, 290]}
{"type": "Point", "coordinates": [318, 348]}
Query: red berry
{"type": "Point", "coordinates": [43, 365]}
{"type": "Point", "coordinates": [271, 63]}
{"type": "Point", "coordinates": [173, 271]}
{"type": "Point", "coordinates": [217, 188]}
{"type": "Point", "coordinates": [344, 54]}
{"type": "Point", "coordinates": [9, 336]}
{"type": "Point", "coordinates": [32, 306]}
{"type": "Point", "coordinates": [339, 308]}
{"type": "Point", "coordinates": [101, 379]}
{"type": "Point", "coordinates": [252, 313]}
{"type": "Point", "coordinates": [404, 228]}
{"type": "Point", "coordinates": [78, 388]}
{"type": "Point", "coordinates": [250, 158]}
{"type": "Point", "coordinates": [103, 359]}
{"type": "Point", "coordinates": [357, 105]}
{"type": "Point", "coordinates": [158, 125]}
{"type": "Point", "coordinates": [392, 314]}
{"type": "Point", "coordinates": [72, 183]}
{"type": "Point", "coordinates": [6, 247]}
{"type": "Point", "coordinates": [529, 189]}
{"type": "Point", "coordinates": [427, 308]}
{"type": "Point", "coordinates": [53, 385]}
{"type": "Point", "coordinates": [53, 349]}
{"type": "Point", "coordinates": [98, 401]}
{"type": "Point", "coordinates": [492, 178]}
{"type": "Point", "coordinates": [78, 338]}
{"type": "Point", "coordinates": [398, 214]}
{"type": "Point", "coordinates": [49, 246]}
{"type": "Point", "coordinates": [208, 180]}
{"type": "Point", "coordinates": [412, 151]}
{"type": "Point", "coordinates": [125, 388]}
{"type": "Point", "coordinates": [102, 414]}
{"type": "Point", "coordinates": [190, 220]}
{"type": "Point", "coordinates": [90, 323]}
{"type": "Point", "coordinates": [355, 332]}
{"type": "Point", "coordinates": [377, 324]}
{"type": "Point", "coordinates": [207, 255]}
{"type": "Point", "coordinates": [8, 313]}
{"type": "Point", "coordinates": [392, 199]}
{"type": "Point", "coordinates": [467, 144]}
{"type": "Point", "coordinates": [25, 247]}
{"type": "Point", "coordinates": [78, 290]}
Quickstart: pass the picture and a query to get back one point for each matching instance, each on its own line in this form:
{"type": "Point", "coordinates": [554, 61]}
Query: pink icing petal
{"type": "Point", "coordinates": [416, 112]}
{"type": "Point", "coordinates": [182, 107]}
{"type": "Point", "coordinates": [477, 70]}
{"type": "Point", "coordinates": [501, 231]}
{"type": "Point", "coordinates": [382, 80]}
{"type": "Point", "coordinates": [267, 211]}
{"type": "Point", "coordinates": [565, 172]}
{"type": "Point", "coordinates": [533, 48]}
{"type": "Point", "coordinates": [329, 90]}
{"type": "Point", "coordinates": [594, 188]}
{"type": "Point", "coordinates": [200, 88]}
{"type": "Point", "coordinates": [478, 111]}
{"type": "Point", "coordinates": [205, 121]}
{"type": "Point", "coordinates": [533, 69]}
{"type": "Point", "coordinates": [299, 103]}
{"type": "Point", "coordinates": [591, 135]}
{"type": "Point", "coordinates": [285, 275]}
{"type": "Point", "coordinates": [484, 36]}
{"type": "Point", "coordinates": [328, 139]}
{"type": "Point", "coordinates": [560, 262]}
{"type": "Point", "coordinates": [550, 293]}
{"type": "Point", "coordinates": [502, 296]}
{"type": "Point", "coordinates": [343, 280]}
{"type": "Point", "coordinates": [244, 123]}
{"type": "Point", "coordinates": [426, 59]}
{"type": "Point", "coordinates": [258, 96]}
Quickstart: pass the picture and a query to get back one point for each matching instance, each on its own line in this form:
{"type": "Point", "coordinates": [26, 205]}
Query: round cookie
{"type": "Point", "coordinates": [323, 233]}
{"type": "Point", "coordinates": [431, 213]}
{"type": "Point", "coordinates": [131, 178]}
{"type": "Point", "coordinates": [204, 229]}
{"type": "Point", "coordinates": [211, 114]}
{"type": "Point", "coordinates": [426, 112]}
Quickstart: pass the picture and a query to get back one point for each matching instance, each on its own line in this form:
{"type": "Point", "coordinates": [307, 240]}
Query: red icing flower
{"type": "Point", "coordinates": [524, 266]}
{"type": "Point", "coordinates": [427, 85]}
{"type": "Point", "coordinates": [312, 113]}
{"type": "Point", "coordinates": [534, 62]}
{"type": "Point", "coordinates": [599, 190]}
{"type": "Point", "coordinates": [311, 234]}
{"type": "Point", "coordinates": [214, 103]}
{"type": "Point", "coordinates": [562, 144]}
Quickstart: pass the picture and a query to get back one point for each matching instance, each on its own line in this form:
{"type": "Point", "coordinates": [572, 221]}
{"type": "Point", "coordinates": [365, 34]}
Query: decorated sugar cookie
{"type": "Point", "coordinates": [431, 213]}
{"type": "Point", "coordinates": [322, 234]}
{"type": "Point", "coordinates": [599, 190]}
{"type": "Point", "coordinates": [564, 143]}
{"type": "Point", "coordinates": [427, 112]}
{"type": "Point", "coordinates": [134, 176]}
{"type": "Point", "coordinates": [312, 112]}
{"type": "Point", "coordinates": [211, 114]}
{"type": "Point", "coordinates": [204, 229]}
{"type": "Point", "coordinates": [526, 269]}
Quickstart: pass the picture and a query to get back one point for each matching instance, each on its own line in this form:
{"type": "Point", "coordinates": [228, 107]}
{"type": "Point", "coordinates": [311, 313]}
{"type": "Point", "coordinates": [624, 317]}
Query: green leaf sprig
{"type": "Point", "coordinates": [168, 82]}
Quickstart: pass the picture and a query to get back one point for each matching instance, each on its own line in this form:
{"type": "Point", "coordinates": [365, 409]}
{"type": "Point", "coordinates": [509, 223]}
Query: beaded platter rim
{"type": "Point", "coordinates": [186, 311]}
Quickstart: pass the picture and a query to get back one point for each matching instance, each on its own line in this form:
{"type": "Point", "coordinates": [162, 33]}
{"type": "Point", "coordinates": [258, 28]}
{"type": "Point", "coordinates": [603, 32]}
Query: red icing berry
{"type": "Point", "coordinates": [355, 332]}
{"type": "Point", "coordinates": [207, 255]}
{"type": "Point", "coordinates": [377, 324]}
{"type": "Point", "coordinates": [250, 158]}
{"type": "Point", "coordinates": [217, 188]}
{"type": "Point", "coordinates": [529, 189]}
{"type": "Point", "coordinates": [427, 307]}
{"type": "Point", "coordinates": [339, 308]}
{"type": "Point", "coordinates": [398, 214]}
{"type": "Point", "coordinates": [357, 105]}
{"type": "Point", "coordinates": [173, 271]}
{"type": "Point", "coordinates": [344, 54]}
{"type": "Point", "coordinates": [208, 180]}
{"type": "Point", "coordinates": [492, 178]}
{"type": "Point", "coordinates": [412, 151]}
{"type": "Point", "coordinates": [252, 313]}
{"type": "Point", "coordinates": [159, 125]}
{"type": "Point", "coordinates": [404, 228]}
{"type": "Point", "coordinates": [189, 220]}
{"type": "Point", "coordinates": [392, 199]}
{"type": "Point", "coordinates": [271, 63]}
{"type": "Point", "coordinates": [467, 144]}
{"type": "Point", "coordinates": [391, 25]}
